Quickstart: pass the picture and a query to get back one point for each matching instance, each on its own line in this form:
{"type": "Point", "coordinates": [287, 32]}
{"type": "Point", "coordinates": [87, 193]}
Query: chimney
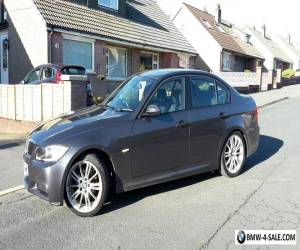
{"type": "Point", "coordinates": [264, 29]}
{"type": "Point", "coordinates": [218, 16]}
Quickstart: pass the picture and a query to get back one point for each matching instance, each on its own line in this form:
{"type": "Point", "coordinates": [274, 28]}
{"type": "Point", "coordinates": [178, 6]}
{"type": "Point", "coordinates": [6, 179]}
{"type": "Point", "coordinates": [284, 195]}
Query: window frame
{"type": "Point", "coordinates": [216, 82]}
{"type": "Point", "coordinates": [107, 64]}
{"type": "Point", "coordinates": [162, 82]}
{"type": "Point", "coordinates": [154, 62]}
{"type": "Point", "coordinates": [83, 40]}
{"type": "Point", "coordinates": [109, 7]}
{"type": "Point", "coordinates": [223, 56]}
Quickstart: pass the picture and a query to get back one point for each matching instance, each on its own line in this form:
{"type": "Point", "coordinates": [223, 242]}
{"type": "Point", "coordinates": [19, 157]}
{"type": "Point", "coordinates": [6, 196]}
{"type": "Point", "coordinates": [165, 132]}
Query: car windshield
{"type": "Point", "coordinates": [130, 94]}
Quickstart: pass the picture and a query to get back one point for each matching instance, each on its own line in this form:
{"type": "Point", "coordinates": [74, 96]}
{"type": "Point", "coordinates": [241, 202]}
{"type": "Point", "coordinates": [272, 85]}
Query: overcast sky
{"type": "Point", "coordinates": [281, 17]}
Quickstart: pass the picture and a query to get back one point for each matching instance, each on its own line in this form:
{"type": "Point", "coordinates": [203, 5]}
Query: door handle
{"type": "Point", "coordinates": [182, 124]}
{"type": "Point", "coordinates": [223, 115]}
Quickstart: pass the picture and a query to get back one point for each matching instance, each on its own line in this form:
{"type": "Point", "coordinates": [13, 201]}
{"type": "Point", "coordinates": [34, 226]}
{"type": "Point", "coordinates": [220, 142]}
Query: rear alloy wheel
{"type": "Point", "coordinates": [233, 155]}
{"type": "Point", "coordinates": [87, 186]}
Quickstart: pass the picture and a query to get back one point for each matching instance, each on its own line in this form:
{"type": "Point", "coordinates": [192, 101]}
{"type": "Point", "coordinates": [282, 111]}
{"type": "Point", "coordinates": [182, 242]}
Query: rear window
{"type": "Point", "coordinates": [73, 71]}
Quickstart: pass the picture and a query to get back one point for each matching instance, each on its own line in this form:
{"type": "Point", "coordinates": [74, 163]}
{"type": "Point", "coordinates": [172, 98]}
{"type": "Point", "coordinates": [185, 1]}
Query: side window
{"type": "Point", "coordinates": [48, 73]}
{"type": "Point", "coordinates": [203, 91]}
{"type": "Point", "coordinates": [223, 94]}
{"type": "Point", "coordinates": [170, 96]}
{"type": "Point", "coordinates": [33, 76]}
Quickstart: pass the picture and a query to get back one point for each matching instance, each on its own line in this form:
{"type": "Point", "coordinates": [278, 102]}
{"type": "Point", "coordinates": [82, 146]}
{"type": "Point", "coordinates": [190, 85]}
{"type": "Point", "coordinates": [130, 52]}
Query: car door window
{"type": "Point", "coordinates": [203, 90]}
{"type": "Point", "coordinates": [47, 73]}
{"type": "Point", "coordinates": [170, 96]}
{"type": "Point", "coordinates": [33, 76]}
{"type": "Point", "coordinates": [223, 94]}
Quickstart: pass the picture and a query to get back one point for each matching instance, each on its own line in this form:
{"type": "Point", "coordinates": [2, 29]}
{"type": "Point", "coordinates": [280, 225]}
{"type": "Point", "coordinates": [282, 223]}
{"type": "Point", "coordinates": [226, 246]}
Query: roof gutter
{"type": "Point", "coordinates": [119, 42]}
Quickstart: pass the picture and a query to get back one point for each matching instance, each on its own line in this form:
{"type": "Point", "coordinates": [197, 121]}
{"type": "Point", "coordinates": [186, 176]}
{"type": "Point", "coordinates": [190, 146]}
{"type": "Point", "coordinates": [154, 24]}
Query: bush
{"type": "Point", "coordinates": [288, 73]}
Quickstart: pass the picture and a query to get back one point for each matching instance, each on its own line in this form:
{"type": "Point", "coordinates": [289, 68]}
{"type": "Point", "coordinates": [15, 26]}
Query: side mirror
{"type": "Point", "coordinates": [152, 110]}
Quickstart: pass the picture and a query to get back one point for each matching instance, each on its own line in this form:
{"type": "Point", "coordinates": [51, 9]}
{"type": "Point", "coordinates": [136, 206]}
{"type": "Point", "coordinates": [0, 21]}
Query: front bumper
{"type": "Point", "coordinates": [45, 179]}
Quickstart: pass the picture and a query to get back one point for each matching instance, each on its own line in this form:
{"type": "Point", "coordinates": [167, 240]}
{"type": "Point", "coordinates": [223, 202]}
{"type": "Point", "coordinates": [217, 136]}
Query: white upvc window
{"type": "Point", "coordinates": [112, 4]}
{"type": "Point", "coordinates": [78, 51]}
{"type": "Point", "coordinates": [116, 65]}
{"type": "Point", "coordinates": [226, 61]}
{"type": "Point", "coordinates": [149, 61]}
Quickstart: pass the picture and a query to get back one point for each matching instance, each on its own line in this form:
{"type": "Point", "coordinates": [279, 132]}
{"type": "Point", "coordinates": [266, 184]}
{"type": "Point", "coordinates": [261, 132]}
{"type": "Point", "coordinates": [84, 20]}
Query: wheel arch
{"type": "Point", "coordinates": [91, 150]}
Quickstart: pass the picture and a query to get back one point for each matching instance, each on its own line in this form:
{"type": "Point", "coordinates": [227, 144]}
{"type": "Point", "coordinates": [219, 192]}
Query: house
{"type": "Point", "coordinates": [276, 58]}
{"type": "Point", "coordinates": [111, 38]}
{"type": "Point", "coordinates": [216, 41]}
{"type": "Point", "coordinates": [290, 49]}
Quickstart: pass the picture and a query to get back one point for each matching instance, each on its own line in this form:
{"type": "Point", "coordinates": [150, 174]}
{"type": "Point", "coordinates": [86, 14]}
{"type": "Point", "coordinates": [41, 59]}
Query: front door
{"type": "Point", "coordinates": [161, 143]}
{"type": "Point", "coordinates": [4, 58]}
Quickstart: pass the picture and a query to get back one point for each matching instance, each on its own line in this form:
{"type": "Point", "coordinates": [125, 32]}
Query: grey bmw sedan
{"type": "Point", "coordinates": [157, 126]}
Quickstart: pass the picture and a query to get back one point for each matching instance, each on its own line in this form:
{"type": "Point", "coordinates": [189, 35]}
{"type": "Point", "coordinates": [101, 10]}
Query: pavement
{"type": "Point", "coordinates": [199, 212]}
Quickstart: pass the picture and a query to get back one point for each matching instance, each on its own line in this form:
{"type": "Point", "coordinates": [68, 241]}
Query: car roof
{"type": "Point", "coordinates": [163, 73]}
{"type": "Point", "coordinates": [59, 66]}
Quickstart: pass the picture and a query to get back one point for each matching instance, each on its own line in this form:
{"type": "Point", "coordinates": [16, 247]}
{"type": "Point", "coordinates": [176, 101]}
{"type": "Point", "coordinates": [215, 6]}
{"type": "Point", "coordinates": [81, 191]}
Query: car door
{"type": "Point", "coordinates": [161, 143]}
{"type": "Point", "coordinates": [33, 77]}
{"type": "Point", "coordinates": [209, 108]}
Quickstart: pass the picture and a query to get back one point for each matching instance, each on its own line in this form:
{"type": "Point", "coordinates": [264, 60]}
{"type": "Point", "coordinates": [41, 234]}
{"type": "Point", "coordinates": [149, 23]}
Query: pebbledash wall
{"type": "Point", "coordinates": [41, 102]}
{"type": "Point", "coordinates": [258, 81]}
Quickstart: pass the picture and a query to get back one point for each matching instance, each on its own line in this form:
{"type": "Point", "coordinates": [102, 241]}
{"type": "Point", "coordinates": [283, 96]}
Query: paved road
{"type": "Point", "coordinates": [11, 163]}
{"type": "Point", "coordinates": [193, 213]}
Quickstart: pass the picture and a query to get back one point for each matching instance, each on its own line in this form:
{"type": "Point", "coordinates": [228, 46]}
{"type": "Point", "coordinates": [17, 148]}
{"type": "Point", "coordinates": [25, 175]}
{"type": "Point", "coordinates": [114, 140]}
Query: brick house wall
{"type": "Point", "coordinates": [103, 87]}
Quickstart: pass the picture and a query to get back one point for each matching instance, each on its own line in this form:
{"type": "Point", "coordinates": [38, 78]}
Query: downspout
{"type": "Point", "coordinates": [50, 45]}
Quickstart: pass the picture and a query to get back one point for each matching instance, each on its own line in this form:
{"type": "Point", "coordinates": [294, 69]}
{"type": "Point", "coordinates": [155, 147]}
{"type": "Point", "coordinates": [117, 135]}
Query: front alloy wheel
{"type": "Point", "coordinates": [233, 155]}
{"type": "Point", "coordinates": [86, 186]}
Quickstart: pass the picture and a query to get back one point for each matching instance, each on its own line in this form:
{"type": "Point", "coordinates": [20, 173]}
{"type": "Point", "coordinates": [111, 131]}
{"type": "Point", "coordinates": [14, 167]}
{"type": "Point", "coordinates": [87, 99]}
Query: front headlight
{"type": "Point", "coordinates": [50, 153]}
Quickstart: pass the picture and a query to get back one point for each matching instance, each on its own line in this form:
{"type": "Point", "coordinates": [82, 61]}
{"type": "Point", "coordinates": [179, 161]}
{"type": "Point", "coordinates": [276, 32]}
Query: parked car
{"type": "Point", "coordinates": [157, 126]}
{"type": "Point", "coordinates": [52, 73]}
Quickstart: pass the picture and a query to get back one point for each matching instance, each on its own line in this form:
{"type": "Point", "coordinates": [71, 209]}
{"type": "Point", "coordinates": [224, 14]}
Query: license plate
{"type": "Point", "coordinates": [25, 169]}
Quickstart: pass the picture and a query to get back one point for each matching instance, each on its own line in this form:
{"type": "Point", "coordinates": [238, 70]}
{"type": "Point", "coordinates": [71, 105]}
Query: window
{"type": "Point", "coordinates": [248, 38]}
{"type": "Point", "coordinates": [131, 94]}
{"type": "Point", "coordinates": [226, 61]}
{"type": "Point", "coordinates": [33, 76]}
{"type": "Point", "coordinates": [203, 92]}
{"type": "Point", "coordinates": [207, 24]}
{"type": "Point", "coordinates": [223, 94]}
{"type": "Point", "coordinates": [78, 53]}
{"type": "Point", "coordinates": [48, 73]}
{"type": "Point", "coordinates": [5, 54]}
{"type": "Point", "coordinates": [113, 4]}
{"type": "Point", "coordinates": [170, 97]}
{"type": "Point", "coordinates": [116, 63]}
{"type": "Point", "coordinates": [149, 61]}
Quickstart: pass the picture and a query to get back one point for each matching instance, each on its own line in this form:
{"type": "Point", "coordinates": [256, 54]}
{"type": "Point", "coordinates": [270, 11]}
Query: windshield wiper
{"type": "Point", "coordinates": [117, 109]}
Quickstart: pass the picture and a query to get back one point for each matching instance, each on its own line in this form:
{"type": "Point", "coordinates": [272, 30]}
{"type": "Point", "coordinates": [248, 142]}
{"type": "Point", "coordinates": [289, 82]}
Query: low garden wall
{"type": "Point", "coordinates": [251, 81]}
{"type": "Point", "coordinates": [41, 102]}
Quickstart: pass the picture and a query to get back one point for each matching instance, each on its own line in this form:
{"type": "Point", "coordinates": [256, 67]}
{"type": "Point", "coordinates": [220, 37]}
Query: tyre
{"type": "Point", "coordinates": [87, 186]}
{"type": "Point", "coordinates": [233, 155]}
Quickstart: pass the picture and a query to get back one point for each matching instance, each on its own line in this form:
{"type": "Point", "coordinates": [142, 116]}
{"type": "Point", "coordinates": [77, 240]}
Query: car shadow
{"type": "Point", "coordinates": [119, 201]}
{"type": "Point", "coordinates": [268, 146]}
{"type": "Point", "coordinates": [7, 145]}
